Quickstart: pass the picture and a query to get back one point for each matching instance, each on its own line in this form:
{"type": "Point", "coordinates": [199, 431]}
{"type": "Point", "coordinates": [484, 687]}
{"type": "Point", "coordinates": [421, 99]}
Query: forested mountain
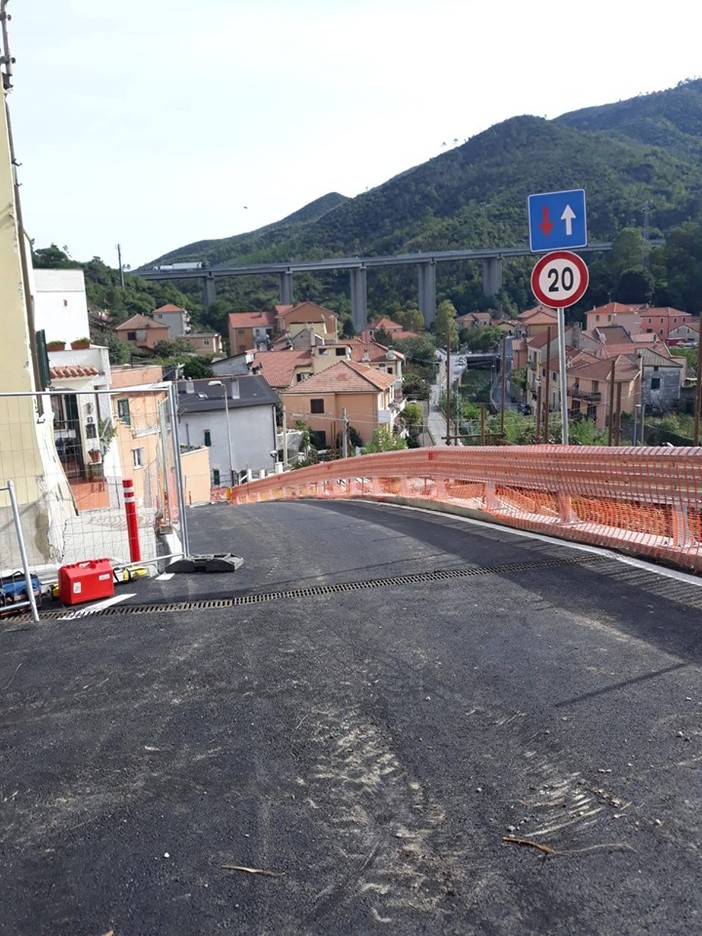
{"type": "Point", "coordinates": [640, 162]}
{"type": "Point", "coordinates": [637, 159]}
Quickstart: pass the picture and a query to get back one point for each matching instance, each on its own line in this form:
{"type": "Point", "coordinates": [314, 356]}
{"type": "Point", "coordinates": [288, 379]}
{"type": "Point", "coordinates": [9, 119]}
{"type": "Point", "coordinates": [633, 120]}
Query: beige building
{"type": "Point", "coordinates": [28, 455]}
{"type": "Point", "coordinates": [363, 395]}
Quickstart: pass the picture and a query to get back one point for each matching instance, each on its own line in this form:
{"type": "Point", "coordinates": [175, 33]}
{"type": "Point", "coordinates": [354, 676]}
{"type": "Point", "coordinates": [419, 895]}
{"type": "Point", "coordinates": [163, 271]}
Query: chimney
{"type": "Point", "coordinates": [189, 386]}
{"type": "Point", "coordinates": [234, 389]}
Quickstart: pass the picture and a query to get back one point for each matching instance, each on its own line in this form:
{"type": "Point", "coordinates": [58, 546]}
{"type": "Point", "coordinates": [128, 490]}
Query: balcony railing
{"type": "Point", "coordinates": [577, 394]}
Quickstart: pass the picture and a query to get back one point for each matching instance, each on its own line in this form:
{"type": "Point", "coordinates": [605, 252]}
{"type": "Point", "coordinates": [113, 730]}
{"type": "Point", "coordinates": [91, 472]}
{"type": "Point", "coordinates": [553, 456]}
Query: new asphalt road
{"type": "Point", "coordinates": [386, 721]}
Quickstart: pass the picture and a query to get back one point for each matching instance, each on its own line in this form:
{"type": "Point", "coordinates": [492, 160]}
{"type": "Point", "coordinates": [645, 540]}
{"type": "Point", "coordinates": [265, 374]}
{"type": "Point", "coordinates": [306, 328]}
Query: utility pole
{"type": "Point", "coordinates": [611, 402]}
{"type": "Point", "coordinates": [345, 435]}
{"type": "Point", "coordinates": [121, 268]}
{"type": "Point", "coordinates": [502, 386]}
{"type": "Point", "coordinates": [448, 388]}
{"type": "Point", "coordinates": [285, 439]}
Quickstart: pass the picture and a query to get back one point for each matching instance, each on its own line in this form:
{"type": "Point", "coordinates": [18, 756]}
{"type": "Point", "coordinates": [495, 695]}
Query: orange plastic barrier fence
{"type": "Point", "coordinates": [645, 501]}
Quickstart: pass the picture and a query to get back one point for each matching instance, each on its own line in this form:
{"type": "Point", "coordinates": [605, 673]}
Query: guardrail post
{"type": "Point", "coordinates": [565, 509]}
{"type": "Point", "coordinates": [489, 496]}
{"type": "Point", "coordinates": [682, 535]}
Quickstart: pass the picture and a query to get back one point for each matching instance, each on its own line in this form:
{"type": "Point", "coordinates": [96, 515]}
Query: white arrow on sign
{"type": "Point", "coordinates": [568, 216]}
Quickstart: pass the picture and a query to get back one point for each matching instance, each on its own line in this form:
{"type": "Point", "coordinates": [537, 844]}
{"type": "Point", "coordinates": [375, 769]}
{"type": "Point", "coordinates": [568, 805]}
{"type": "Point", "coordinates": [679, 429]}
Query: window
{"type": "Point", "coordinates": [138, 457]}
{"type": "Point", "coordinates": [655, 383]}
{"type": "Point", "coordinates": [341, 352]}
{"type": "Point", "coordinates": [131, 336]}
{"type": "Point", "coordinates": [208, 437]}
{"type": "Point", "coordinates": [316, 406]}
{"type": "Point", "coordinates": [215, 477]}
{"type": "Point", "coordinates": [123, 412]}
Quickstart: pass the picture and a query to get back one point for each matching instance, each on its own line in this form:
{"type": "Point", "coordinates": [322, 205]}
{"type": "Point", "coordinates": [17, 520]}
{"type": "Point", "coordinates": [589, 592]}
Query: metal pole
{"type": "Point", "coordinates": [562, 376]}
{"type": "Point", "coordinates": [449, 412]}
{"type": "Point", "coordinates": [180, 488]}
{"type": "Point", "coordinates": [502, 385]}
{"type": "Point", "coordinates": [547, 388]}
{"type": "Point", "coordinates": [285, 439]}
{"type": "Point", "coordinates": [23, 553]}
{"type": "Point", "coordinates": [698, 393]}
{"type": "Point", "coordinates": [229, 436]}
{"type": "Point", "coordinates": [611, 403]}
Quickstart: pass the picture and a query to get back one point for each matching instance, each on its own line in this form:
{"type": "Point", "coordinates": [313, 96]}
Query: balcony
{"type": "Point", "coordinates": [576, 394]}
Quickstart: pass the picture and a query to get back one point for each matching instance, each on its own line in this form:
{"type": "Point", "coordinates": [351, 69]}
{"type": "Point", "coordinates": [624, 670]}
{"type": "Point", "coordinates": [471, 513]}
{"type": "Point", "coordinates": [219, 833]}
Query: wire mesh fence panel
{"type": "Point", "coordinates": [69, 453]}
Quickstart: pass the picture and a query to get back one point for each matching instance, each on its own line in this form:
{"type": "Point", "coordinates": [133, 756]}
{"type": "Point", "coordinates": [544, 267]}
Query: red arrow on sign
{"type": "Point", "coordinates": [546, 222]}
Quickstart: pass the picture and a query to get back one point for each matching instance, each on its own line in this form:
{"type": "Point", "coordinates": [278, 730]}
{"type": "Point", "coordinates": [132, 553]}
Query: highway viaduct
{"type": "Point", "coordinates": [491, 260]}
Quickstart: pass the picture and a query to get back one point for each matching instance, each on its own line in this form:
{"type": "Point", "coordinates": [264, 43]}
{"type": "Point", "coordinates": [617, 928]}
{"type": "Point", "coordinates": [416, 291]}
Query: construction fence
{"type": "Point", "coordinates": [68, 455]}
{"type": "Point", "coordinates": [643, 501]}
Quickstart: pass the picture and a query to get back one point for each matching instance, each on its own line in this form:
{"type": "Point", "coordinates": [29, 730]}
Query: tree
{"type": "Point", "coordinates": [483, 338]}
{"type": "Point", "coordinates": [445, 327]}
{"type": "Point", "coordinates": [384, 441]}
{"type": "Point", "coordinates": [195, 367]}
{"type": "Point", "coordinates": [413, 418]}
{"type": "Point", "coordinates": [415, 387]}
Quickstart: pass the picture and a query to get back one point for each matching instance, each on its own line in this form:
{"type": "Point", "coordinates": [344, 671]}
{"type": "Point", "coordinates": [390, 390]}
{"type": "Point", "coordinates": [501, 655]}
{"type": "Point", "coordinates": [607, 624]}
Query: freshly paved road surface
{"type": "Point", "coordinates": [369, 745]}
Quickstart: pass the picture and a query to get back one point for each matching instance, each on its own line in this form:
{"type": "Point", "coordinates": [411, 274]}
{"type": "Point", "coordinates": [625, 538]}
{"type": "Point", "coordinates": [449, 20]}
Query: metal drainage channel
{"type": "Point", "coordinates": [416, 578]}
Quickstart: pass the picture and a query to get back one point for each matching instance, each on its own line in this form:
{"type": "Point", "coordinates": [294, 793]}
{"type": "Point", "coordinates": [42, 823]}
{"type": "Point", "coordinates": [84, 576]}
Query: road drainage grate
{"type": "Point", "coordinates": [414, 578]}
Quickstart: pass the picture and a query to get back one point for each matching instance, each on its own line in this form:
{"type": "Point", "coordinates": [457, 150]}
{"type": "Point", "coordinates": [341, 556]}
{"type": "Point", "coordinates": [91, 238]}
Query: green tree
{"type": "Point", "coordinates": [195, 367]}
{"type": "Point", "coordinates": [483, 339]}
{"type": "Point", "coordinates": [415, 387]}
{"type": "Point", "coordinates": [384, 441]}
{"type": "Point", "coordinates": [445, 327]}
{"type": "Point", "coordinates": [413, 418]}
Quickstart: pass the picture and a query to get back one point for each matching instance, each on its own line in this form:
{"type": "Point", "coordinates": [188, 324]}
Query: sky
{"type": "Point", "coordinates": [155, 123]}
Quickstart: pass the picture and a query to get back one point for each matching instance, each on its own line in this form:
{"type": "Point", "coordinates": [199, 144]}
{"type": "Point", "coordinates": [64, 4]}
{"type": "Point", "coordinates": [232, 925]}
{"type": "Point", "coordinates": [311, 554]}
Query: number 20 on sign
{"type": "Point", "coordinates": [559, 279]}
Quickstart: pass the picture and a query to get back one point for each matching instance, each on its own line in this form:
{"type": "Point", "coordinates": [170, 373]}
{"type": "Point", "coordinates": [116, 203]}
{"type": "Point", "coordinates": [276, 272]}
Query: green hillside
{"type": "Point", "coordinates": [637, 159]}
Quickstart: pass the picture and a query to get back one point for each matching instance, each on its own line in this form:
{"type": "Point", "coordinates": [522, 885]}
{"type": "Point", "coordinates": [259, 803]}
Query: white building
{"type": "Point", "coordinates": [248, 443]}
{"type": "Point", "coordinates": [60, 304]}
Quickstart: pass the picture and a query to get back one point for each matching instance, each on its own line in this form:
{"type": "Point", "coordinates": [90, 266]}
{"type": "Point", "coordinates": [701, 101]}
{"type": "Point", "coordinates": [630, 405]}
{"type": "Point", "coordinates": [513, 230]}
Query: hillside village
{"type": "Point", "coordinates": [282, 386]}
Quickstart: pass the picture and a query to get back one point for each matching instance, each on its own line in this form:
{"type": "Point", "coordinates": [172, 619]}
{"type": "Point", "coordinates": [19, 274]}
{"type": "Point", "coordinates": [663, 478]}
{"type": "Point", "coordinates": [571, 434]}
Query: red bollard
{"type": "Point", "coordinates": [132, 524]}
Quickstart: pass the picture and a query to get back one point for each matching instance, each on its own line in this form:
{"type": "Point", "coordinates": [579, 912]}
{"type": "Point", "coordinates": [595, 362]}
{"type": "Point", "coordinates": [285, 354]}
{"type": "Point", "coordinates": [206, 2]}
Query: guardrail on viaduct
{"type": "Point", "coordinates": [643, 501]}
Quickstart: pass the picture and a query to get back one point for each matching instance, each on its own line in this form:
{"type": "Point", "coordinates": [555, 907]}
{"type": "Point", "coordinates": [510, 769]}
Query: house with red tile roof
{"type": "Point", "coordinates": [175, 317]}
{"type": "Point", "coordinates": [142, 332]}
{"type": "Point", "coordinates": [361, 394]}
{"type": "Point", "coordinates": [474, 320]}
{"type": "Point", "coordinates": [293, 319]}
{"type": "Point", "coordinates": [589, 388]}
{"type": "Point", "coordinates": [248, 330]}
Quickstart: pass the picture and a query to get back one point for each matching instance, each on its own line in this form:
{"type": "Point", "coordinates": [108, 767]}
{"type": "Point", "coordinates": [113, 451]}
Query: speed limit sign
{"type": "Point", "coordinates": [559, 279]}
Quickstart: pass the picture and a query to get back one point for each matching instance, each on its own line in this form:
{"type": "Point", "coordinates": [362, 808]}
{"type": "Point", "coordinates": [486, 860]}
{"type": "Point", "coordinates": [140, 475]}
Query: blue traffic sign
{"type": "Point", "coordinates": [557, 221]}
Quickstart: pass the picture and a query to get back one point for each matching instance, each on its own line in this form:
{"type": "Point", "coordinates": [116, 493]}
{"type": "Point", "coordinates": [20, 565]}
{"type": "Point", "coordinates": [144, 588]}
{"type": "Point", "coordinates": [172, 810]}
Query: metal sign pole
{"type": "Point", "coordinates": [563, 379]}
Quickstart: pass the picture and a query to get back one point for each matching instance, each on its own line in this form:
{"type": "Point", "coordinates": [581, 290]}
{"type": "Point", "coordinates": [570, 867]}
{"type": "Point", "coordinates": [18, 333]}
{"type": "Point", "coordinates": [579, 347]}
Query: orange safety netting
{"type": "Point", "coordinates": [647, 501]}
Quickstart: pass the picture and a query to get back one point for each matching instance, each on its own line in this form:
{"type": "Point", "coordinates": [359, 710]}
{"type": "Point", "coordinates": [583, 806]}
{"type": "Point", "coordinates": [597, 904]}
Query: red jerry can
{"type": "Point", "coordinates": [86, 581]}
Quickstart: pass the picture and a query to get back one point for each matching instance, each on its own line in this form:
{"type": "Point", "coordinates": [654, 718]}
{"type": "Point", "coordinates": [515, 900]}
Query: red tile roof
{"type": "Point", "coordinates": [73, 370]}
{"type": "Point", "coordinates": [345, 377]}
{"type": "Point", "coordinates": [624, 369]}
{"type": "Point", "coordinates": [278, 367]}
{"type": "Point", "coordinates": [251, 319]}
{"type": "Point", "coordinates": [140, 321]}
{"type": "Point", "coordinates": [169, 307]}
{"type": "Point", "coordinates": [376, 351]}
